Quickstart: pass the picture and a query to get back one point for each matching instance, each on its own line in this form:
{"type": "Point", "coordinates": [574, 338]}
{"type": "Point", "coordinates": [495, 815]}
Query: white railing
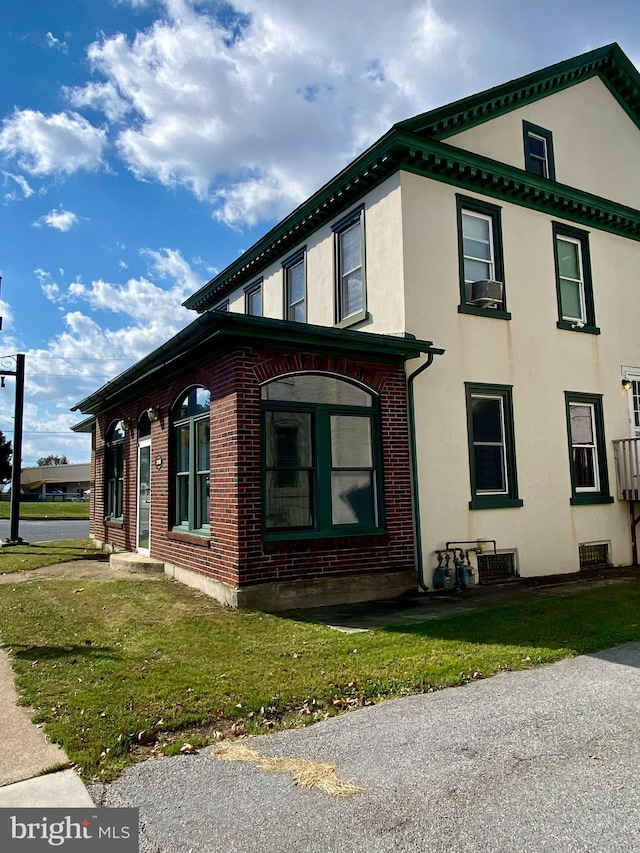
{"type": "Point", "coordinates": [627, 456]}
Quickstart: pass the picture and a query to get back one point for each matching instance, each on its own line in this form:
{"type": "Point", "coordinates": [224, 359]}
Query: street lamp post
{"type": "Point", "coordinates": [14, 537]}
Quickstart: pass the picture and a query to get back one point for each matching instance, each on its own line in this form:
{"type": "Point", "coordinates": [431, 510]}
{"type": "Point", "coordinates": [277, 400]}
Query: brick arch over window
{"type": "Point", "coordinates": [322, 462]}
{"type": "Point", "coordinates": [268, 369]}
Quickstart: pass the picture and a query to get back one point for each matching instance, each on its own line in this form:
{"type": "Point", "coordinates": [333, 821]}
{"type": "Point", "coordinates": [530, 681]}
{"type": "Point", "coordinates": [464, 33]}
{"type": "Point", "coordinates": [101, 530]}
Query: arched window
{"type": "Point", "coordinates": [114, 470]}
{"type": "Point", "coordinates": [321, 466]}
{"type": "Point", "coordinates": [191, 433]}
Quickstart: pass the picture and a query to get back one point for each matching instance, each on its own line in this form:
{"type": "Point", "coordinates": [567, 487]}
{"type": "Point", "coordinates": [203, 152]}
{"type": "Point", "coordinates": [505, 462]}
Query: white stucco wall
{"type": "Point", "coordinates": [383, 265]}
{"type": "Point", "coordinates": [595, 142]}
{"type": "Point", "coordinates": [530, 353]}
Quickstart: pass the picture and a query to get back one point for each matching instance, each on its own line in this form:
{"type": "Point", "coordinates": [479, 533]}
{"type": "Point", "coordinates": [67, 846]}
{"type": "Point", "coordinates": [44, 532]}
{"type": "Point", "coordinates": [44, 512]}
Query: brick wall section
{"type": "Point", "coordinates": [235, 553]}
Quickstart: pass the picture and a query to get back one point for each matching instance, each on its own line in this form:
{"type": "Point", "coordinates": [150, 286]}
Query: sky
{"type": "Point", "coordinates": [144, 144]}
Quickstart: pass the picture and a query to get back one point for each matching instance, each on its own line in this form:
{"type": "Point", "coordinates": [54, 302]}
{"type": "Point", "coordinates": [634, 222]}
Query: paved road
{"type": "Point", "coordinates": [541, 760]}
{"type": "Point", "coordinates": [47, 531]}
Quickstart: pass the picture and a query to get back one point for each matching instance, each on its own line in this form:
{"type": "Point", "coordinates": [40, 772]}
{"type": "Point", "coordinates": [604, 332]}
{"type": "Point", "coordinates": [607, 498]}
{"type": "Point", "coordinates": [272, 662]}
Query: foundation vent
{"type": "Point", "coordinates": [594, 555]}
{"type": "Point", "coordinates": [496, 568]}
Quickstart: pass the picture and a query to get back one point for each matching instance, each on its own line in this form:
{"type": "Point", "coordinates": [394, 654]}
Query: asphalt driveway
{"type": "Point", "coordinates": [541, 760]}
{"type": "Point", "coordinates": [47, 531]}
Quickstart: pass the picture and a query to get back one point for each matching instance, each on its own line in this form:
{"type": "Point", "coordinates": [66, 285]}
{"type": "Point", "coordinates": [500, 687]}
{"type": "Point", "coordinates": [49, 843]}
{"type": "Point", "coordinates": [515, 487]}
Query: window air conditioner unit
{"type": "Point", "coordinates": [486, 293]}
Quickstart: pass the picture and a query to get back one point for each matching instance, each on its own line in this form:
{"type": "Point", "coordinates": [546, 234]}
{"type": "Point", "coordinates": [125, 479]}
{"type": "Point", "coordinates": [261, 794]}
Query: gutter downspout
{"type": "Point", "coordinates": [414, 463]}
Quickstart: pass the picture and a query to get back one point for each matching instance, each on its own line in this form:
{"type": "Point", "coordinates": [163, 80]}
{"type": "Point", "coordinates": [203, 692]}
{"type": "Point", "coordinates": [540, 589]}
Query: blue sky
{"type": "Point", "coordinates": [144, 144]}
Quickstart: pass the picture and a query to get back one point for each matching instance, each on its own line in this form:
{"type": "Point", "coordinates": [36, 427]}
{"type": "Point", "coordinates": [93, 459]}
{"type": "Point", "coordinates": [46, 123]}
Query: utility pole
{"type": "Point", "coordinates": [14, 537]}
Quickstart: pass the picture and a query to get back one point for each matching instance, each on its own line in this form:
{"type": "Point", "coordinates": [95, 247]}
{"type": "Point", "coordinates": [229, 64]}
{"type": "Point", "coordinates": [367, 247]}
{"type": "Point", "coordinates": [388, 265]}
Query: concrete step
{"type": "Point", "coordinates": [135, 562]}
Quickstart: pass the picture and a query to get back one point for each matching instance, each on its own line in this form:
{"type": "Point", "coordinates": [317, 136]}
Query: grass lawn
{"type": "Point", "coordinates": [48, 509]}
{"type": "Point", "coordinates": [120, 670]}
{"type": "Point", "coordinates": [19, 558]}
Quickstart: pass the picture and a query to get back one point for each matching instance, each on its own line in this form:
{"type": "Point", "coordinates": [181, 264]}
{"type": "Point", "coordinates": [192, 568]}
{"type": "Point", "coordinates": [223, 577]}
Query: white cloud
{"type": "Point", "coordinates": [63, 220]}
{"type": "Point", "coordinates": [87, 353]}
{"type": "Point", "coordinates": [255, 108]}
{"type": "Point", "coordinates": [7, 318]}
{"type": "Point", "coordinates": [48, 145]}
{"type": "Point", "coordinates": [21, 181]}
{"type": "Point", "coordinates": [53, 42]}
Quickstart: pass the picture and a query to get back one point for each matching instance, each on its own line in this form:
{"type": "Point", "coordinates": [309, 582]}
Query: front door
{"type": "Point", "coordinates": [144, 495]}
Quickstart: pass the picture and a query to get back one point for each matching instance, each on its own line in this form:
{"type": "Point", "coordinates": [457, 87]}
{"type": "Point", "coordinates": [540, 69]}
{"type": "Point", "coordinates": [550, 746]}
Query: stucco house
{"type": "Point", "coordinates": [290, 447]}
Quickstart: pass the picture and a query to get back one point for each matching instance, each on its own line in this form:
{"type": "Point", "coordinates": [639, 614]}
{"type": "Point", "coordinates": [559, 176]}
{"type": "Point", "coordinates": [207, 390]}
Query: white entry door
{"type": "Point", "coordinates": [144, 496]}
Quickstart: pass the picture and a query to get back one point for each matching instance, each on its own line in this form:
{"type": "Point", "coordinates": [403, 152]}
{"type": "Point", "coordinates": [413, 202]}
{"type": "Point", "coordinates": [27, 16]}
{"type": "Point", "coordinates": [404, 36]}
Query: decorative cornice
{"type": "Point", "coordinates": [609, 63]}
{"type": "Point", "coordinates": [416, 146]}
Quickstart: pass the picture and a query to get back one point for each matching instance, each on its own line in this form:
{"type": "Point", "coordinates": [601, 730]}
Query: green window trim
{"type": "Point", "coordinates": [190, 434]}
{"type": "Point", "coordinates": [582, 280]}
{"type": "Point", "coordinates": [538, 151]}
{"type": "Point", "coordinates": [507, 496]}
{"type": "Point", "coordinates": [314, 470]}
{"type": "Point", "coordinates": [346, 314]}
{"type": "Point", "coordinates": [466, 209]}
{"type": "Point", "coordinates": [253, 299]}
{"type": "Point", "coordinates": [114, 472]}
{"type": "Point", "coordinates": [594, 456]}
{"type": "Point", "coordinates": [294, 278]}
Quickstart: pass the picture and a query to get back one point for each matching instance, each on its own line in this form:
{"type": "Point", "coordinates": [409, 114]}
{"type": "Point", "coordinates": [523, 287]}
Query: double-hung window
{"type": "Point", "coordinates": [295, 288]}
{"type": "Point", "coordinates": [114, 471]}
{"type": "Point", "coordinates": [587, 449]}
{"type": "Point", "coordinates": [190, 435]}
{"type": "Point", "coordinates": [574, 286]}
{"type": "Point", "coordinates": [492, 458]}
{"type": "Point", "coordinates": [538, 151]}
{"type": "Point", "coordinates": [481, 263]}
{"type": "Point", "coordinates": [253, 299]}
{"type": "Point", "coordinates": [351, 302]}
{"type": "Point", "coordinates": [321, 458]}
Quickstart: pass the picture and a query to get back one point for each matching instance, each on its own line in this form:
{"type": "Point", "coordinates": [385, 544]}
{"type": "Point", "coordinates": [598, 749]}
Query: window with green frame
{"type": "Point", "coordinates": [321, 458]}
{"type": "Point", "coordinates": [114, 471]}
{"type": "Point", "coordinates": [587, 449]}
{"type": "Point", "coordinates": [538, 151]}
{"type": "Point", "coordinates": [480, 258]}
{"type": "Point", "coordinates": [492, 449]}
{"type": "Point", "coordinates": [190, 438]}
{"type": "Point", "coordinates": [351, 293]}
{"type": "Point", "coordinates": [295, 287]}
{"type": "Point", "coordinates": [574, 286]}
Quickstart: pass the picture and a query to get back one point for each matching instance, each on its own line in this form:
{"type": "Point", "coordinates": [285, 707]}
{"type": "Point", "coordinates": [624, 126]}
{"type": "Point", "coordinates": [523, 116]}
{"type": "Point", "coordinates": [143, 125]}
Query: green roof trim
{"type": "Point", "coordinates": [610, 63]}
{"type": "Point", "coordinates": [215, 331]}
{"type": "Point", "coordinates": [86, 425]}
{"type": "Point", "coordinates": [415, 145]}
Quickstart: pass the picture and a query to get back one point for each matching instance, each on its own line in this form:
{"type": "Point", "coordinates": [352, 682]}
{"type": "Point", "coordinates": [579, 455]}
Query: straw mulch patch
{"type": "Point", "coordinates": [306, 773]}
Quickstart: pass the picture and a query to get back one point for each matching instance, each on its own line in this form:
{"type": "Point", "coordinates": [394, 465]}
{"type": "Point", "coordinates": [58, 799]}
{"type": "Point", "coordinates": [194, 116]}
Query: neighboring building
{"type": "Point", "coordinates": [287, 459]}
{"type": "Point", "coordinates": [67, 482]}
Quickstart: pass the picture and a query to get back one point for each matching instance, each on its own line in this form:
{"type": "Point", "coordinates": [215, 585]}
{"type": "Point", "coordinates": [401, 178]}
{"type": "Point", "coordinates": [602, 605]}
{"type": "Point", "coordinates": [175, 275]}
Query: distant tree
{"type": "Point", "coordinates": [5, 459]}
{"type": "Point", "coordinates": [46, 461]}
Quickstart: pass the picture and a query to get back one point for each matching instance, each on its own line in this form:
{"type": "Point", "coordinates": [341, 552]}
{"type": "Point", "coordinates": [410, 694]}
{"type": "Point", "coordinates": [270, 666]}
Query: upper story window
{"type": "Point", "coordinates": [481, 264]}
{"type": "Point", "coordinates": [114, 471]}
{"type": "Point", "coordinates": [574, 286]}
{"type": "Point", "coordinates": [190, 438]}
{"type": "Point", "coordinates": [253, 299]}
{"type": "Point", "coordinates": [350, 268]}
{"type": "Point", "coordinates": [321, 464]}
{"type": "Point", "coordinates": [224, 306]}
{"type": "Point", "coordinates": [538, 151]}
{"type": "Point", "coordinates": [295, 287]}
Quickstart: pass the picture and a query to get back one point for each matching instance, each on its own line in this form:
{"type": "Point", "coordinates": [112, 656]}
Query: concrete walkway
{"type": "Point", "coordinates": [25, 753]}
